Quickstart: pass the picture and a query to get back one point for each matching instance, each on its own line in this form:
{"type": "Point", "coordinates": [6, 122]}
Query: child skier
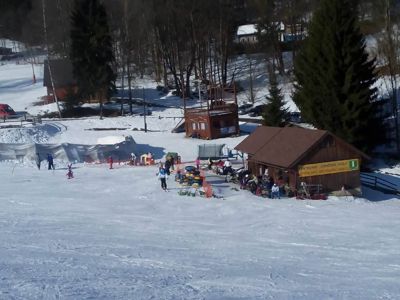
{"type": "Point", "coordinates": [70, 174]}
{"type": "Point", "coordinates": [162, 176]}
{"type": "Point", "coordinates": [111, 161]}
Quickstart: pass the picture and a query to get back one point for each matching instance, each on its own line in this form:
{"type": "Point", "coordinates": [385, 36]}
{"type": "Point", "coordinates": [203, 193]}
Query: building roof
{"type": "Point", "coordinates": [283, 146]}
{"type": "Point", "coordinates": [257, 139]}
{"type": "Point", "coordinates": [61, 69]}
{"type": "Point", "coordinates": [248, 29]}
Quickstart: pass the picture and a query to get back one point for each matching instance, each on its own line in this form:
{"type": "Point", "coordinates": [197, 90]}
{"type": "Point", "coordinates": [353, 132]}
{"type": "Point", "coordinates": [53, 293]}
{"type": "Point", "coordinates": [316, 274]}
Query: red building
{"type": "Point", "coordinates": [213, 117]}
{"type": "Point", "coordinates": [64, 82]}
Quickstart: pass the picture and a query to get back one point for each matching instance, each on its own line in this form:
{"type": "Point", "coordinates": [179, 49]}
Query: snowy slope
{"type": "Point", "coordinates": [114, 234]}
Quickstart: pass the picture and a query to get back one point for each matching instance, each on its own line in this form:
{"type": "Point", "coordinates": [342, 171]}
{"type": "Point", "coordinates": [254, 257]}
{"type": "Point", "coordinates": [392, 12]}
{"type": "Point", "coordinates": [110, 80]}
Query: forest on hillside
{"type": "Point", "coordinates": [179, 41]}
{"type": "Point", "coordinates": [186, 37]}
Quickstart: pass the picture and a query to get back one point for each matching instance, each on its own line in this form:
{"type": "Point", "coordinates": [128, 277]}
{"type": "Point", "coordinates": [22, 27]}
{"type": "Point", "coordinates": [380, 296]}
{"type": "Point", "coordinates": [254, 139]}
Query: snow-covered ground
{"type": "Point", "coordinates": [114, 234]}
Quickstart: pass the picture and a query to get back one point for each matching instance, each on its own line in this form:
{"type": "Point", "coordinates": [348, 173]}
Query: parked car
{"type": "Point", "coordinates": [295, 117]}
{"type": "Point", "coordinates": [7, 112]}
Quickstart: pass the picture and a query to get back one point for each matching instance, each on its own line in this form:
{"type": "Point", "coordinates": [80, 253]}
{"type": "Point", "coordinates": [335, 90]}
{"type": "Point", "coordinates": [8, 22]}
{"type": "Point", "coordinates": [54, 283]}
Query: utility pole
{"type": "Point", "coordinates": [48, 57]}
{"type": "Point", "coordinates": [144, 112]}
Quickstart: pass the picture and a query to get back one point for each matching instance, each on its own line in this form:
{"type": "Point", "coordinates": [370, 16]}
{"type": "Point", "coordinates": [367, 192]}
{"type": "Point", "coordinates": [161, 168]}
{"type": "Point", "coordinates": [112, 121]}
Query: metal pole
{"type": "Point", "coordinates": [48, 58]}
{"type": "Point", "coordinates": [144, 112]}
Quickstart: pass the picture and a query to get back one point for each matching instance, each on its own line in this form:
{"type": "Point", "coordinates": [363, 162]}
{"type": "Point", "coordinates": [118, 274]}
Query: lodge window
{"type": "Point", "coordinates": [203, 126]}
{"type": "Point", "coordinates": [194, 127]}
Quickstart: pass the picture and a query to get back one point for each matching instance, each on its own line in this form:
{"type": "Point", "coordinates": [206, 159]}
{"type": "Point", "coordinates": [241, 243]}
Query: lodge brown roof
{"type": "Point", "coordinates": [282, 146]}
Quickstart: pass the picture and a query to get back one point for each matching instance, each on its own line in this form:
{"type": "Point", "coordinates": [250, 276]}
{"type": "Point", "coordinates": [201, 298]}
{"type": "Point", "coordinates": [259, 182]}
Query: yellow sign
{"type": "Point", "coordinates": [330, 167]}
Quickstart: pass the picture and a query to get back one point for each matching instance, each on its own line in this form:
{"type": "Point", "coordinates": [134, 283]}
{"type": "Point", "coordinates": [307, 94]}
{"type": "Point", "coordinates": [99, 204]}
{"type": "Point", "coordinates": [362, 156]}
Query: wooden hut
{"type": "Point", "coordinates": [213, 117]}
{"type": "Point", "coordinates": [297, 155]}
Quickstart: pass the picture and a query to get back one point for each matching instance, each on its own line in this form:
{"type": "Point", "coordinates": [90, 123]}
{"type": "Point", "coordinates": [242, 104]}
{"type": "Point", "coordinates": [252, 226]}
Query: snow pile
{"type": "Point", "coordinates": [110, 140]}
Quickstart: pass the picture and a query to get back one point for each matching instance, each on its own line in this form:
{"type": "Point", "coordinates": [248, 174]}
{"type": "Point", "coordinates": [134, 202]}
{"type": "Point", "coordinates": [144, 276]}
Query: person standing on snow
{"type": "Point", "coordinates": [167, 166]}
{"type": "Point", "coordinates": [133, 159]}
{"type": "Point", "coordinates": [50, 161]}
{"type": "Point", "coordinates": [227, 168]}
{"type": "Point", "coordinates": [70, 174]}
{"type": "Point", "coordinates": [162, 176]}
{"type": "Point", "coordinates": [275, 192]}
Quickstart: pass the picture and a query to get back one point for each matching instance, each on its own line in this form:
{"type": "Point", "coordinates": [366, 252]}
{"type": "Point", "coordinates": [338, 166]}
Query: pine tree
{"type": "Point", "coordinates": [91, 51]}
{"type": "Point", "coordinates": [334, 77]}
{"type": "Point", "coordinates": [275, 114]}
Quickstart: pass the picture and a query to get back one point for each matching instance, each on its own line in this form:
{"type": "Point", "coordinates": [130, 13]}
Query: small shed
{"type": "Point", "coordinates": [62, 73]}
{"type": "Point", "coordinates": [215, 116]}
{"type": "Point", "coordinates": [295, 155]}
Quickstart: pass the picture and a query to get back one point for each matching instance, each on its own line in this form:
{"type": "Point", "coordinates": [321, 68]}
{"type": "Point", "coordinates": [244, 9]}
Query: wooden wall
{"type": "Point", "coordinates": [211, 126]}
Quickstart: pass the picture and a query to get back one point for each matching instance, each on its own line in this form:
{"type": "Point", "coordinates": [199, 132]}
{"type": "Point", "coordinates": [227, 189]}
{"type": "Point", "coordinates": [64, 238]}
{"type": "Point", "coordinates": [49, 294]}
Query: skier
{"type": "Point", "coordinates": [70, 174]}
{"type": "Point", "coordinates": [197, 162]}
{"type": "Point", "coordinates": [50, 161]}
{"type": "Point", "coordinates": [110, 161]}
{"type": "Point", "coordinates": [133, 159]}
{"type": "Point", "coordinates": [162, 176]}
{"type": "Point", "coordinates": [38, 160]}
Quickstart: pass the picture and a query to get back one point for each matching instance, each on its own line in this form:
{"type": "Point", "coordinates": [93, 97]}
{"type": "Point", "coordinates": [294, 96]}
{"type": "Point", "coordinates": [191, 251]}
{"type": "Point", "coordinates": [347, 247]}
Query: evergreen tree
{"type": "Point", "coordinates": [91, 51]}
{"type": "Point", "coordinates": [334, 77]}
{"type": "Point", "coordinates": [275, 114]}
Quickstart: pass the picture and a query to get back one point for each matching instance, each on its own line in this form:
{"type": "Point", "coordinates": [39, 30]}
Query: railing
{"type": "Point", "coordinates": [380, 184]}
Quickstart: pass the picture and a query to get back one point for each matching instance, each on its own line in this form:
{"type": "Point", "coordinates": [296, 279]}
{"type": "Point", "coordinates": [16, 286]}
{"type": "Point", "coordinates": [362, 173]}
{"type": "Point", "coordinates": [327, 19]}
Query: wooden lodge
{"type": "Point", "coordinates": [64, 82]}
{"type": "Point", "coordinates": [215, 116]}
{"type": "Point", "coordinates": [296, 156]}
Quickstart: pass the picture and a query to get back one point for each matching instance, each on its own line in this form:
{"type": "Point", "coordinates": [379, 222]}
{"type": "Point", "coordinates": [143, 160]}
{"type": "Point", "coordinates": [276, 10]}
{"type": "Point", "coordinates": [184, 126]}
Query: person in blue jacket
{"type": "Point", "coordinates": [50, 161]}
{"type": "Point", "coordinates": [162, 176]}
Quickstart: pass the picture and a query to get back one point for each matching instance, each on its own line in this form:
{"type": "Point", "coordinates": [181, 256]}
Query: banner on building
{"type": "Point", "coordinates": [330, 167]}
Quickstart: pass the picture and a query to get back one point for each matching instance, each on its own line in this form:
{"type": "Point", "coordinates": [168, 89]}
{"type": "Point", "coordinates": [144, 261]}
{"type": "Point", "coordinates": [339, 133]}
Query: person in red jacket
{"type": "Point", "coordinates": [110, 161]}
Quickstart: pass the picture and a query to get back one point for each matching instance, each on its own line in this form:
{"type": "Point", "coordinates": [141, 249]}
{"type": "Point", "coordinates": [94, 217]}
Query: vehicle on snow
{"type": "Point", "coordinates": [7, 112]}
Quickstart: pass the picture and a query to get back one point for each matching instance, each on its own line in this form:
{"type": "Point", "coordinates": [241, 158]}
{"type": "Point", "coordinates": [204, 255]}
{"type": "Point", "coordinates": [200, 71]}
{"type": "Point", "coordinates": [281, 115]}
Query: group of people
{"type": "Point", "coordinates": [50, 164]}
{"type": "Point", "coordinates": [253, 183]}
{"type": "Point", "coordinates": [50, 161]}
{"type": "Point", "coordinates": [222, 167]}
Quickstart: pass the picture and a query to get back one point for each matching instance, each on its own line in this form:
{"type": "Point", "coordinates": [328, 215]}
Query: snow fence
{"type": "Point", "coordinates": [69, 152]}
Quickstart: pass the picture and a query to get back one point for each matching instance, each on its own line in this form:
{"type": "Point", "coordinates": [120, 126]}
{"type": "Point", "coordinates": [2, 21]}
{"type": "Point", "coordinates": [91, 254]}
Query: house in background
{"type": "Point", "coordinates": [292, 33]}
{"type": "Point", "coordinates": [286, 33]}
{"type": "Point", "coordinates": [247, 34]}
{"type": "Point", "coordinates": [299, 156]}
{"type": "Point", "coordinates": [64, 82]}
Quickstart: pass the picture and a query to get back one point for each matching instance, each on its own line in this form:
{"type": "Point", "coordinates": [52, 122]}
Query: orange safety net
{"type": "Point", "coordinates": [207, 189]}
